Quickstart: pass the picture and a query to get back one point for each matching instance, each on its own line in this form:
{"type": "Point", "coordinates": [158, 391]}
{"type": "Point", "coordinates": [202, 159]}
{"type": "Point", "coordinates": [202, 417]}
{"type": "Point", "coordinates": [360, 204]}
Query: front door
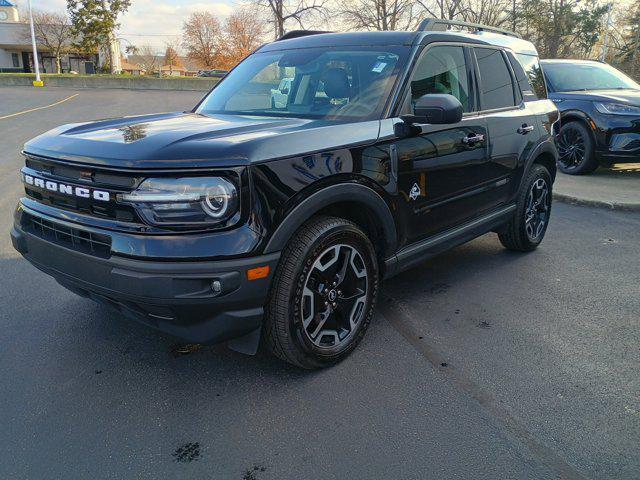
{"type": "Point", "coordinates": [442, 171]}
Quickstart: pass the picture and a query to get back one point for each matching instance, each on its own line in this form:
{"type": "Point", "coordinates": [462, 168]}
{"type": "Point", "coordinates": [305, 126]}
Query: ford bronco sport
{"type": "Point", "coordinates": [246, 218]}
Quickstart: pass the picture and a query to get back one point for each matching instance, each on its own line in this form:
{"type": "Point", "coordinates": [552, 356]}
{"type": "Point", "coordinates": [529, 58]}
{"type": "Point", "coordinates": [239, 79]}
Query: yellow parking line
{"type": "Point", "coordinates": [40, 108]}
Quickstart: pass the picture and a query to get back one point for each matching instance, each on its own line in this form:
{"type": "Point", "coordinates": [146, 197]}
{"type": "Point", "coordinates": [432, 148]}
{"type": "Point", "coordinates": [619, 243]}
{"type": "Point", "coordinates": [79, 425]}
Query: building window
{"type": "Point", "coordinates": [16, 60]}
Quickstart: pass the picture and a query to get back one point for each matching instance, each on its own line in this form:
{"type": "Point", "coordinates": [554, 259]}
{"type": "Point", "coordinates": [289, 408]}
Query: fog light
{"type": "Point", "coordinates": [216, 286]}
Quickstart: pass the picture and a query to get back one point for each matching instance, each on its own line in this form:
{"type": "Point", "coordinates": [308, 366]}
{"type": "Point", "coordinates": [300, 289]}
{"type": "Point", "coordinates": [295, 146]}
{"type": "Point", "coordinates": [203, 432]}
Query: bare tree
{"type": "Point", "coordinates": [379, 14]}
{"type": "Point", "coordinates": [487, 12]}
{"type": "Point", "coordinates": [283, 12]}
{"type": "Point", "coordinates": [54, 32]}
{"type": "Point", "coordinates": [243, 33]}
{"type": "Point", "coordinates": [147, 59]}
{"type": "Point", "coordinates": [447, 9]}
{"type": "Point", "coordinates": [201, 38]}
{"type": "Point", "coordinates": [171, 57]}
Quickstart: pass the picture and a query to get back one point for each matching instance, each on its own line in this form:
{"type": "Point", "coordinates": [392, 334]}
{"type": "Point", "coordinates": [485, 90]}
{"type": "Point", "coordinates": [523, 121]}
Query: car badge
{"type": "Point", "coordinates": [415, 191]}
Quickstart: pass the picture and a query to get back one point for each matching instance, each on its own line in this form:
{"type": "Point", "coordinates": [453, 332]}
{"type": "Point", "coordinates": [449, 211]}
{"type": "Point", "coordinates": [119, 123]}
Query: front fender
{"type": "Point", "coordinates": [343, 192]}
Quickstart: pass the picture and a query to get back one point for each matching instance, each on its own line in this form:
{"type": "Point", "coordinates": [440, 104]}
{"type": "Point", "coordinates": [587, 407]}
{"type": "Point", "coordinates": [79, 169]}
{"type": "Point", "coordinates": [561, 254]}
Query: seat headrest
{"type": "Point", "coordinates": [336, 83]}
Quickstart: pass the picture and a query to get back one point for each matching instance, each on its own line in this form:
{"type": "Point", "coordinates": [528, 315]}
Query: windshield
{"type": "Point", "coordinates": [336, 83]}
{"type": "Point", "coordinates": [567, 77]}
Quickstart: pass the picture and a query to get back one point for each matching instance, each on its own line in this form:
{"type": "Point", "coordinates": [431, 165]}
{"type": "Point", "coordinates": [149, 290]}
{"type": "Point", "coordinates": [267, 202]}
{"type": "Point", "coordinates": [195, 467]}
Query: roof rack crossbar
{"type": "Point", "coordinates": [441, 25]}
{"type": "Point", "coordinates": [300, 33]}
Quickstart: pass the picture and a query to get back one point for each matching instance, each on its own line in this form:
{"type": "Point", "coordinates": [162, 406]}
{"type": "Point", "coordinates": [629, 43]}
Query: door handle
{"type": "Point", "coordinates": [524, 129]}
{"type": "Point", "coordinates": [473, 138]}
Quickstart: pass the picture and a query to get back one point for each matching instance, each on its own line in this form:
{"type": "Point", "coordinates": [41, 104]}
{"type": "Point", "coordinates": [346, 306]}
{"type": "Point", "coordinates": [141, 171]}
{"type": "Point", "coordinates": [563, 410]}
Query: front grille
{"type": "Point", "coordinates": [74, 238]}
{"type": "Point", "coordinates": [123, 213]}
{"type": "Point", "coordinates": [91, 177]}
{"type": "Point", "coordinates": [79, 173]}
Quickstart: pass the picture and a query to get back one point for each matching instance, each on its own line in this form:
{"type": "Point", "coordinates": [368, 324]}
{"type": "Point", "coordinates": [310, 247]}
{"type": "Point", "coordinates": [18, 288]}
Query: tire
{"type": "Point", "coordinates": [576, 149]}
{"type": "Point", "coordinates": [299, 327]}
{"type": "Point", "coordinates": [519, 234]}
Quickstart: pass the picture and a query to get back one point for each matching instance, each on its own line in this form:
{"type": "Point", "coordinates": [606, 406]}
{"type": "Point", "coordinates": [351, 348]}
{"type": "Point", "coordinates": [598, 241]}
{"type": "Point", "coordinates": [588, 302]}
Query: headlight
{"type": "Point", "coordinates": [184, 202]}
{"type": "Point", "coordinates": [616, 108]}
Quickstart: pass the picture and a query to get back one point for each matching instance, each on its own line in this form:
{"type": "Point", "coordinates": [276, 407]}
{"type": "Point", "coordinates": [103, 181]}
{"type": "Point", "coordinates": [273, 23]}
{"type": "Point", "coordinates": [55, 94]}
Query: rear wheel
{"type": "Point", "coordinates": [526, 229]}
{"type": "Point", "coordinates": [576, 150]}
{"type": "Point", "coordinates": [323, 294]}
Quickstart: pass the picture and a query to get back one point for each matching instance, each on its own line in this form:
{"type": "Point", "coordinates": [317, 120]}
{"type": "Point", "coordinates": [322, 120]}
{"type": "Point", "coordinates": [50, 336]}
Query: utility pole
{"type": "Point", "coordinates": [605, 42]}
{"type": "Point", "coordinates": [37, 82]}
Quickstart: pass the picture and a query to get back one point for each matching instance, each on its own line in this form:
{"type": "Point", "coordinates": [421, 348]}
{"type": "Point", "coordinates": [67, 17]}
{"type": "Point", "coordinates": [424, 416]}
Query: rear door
{"type": "Point", "coordinates": [512, 124]}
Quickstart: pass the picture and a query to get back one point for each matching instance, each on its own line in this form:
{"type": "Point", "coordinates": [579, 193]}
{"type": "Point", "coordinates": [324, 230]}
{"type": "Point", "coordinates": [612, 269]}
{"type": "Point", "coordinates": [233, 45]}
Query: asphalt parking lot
{"type": "Point", "coordinates": [482, 364]}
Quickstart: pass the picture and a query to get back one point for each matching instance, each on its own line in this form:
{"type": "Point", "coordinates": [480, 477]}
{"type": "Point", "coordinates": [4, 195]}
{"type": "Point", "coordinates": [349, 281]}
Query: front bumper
{"type": "Point", "coordinates": [618, 139]}
{"type": "Point", "coordinates": [173, 296]}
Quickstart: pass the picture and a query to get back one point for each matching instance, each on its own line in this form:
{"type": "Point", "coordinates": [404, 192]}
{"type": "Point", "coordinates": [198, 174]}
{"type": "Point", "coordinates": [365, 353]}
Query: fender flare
{"type": "Point", "coordinates": [547, 146]}
{"type": "Point", "coordinates": [343, 192]}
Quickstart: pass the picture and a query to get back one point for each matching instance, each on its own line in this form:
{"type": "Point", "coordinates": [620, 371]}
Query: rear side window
{"type": "Point", "coordinates": [534, 78]}
{"type": "Point", "coordinates": [496, 83]}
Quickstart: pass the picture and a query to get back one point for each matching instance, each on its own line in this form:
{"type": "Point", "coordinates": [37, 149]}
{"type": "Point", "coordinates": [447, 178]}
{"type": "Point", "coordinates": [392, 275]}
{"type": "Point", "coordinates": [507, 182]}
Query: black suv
{"type": "Point", "coordinates": [240, 218]}
{"type": "Point", "coordinates": [600, 111]}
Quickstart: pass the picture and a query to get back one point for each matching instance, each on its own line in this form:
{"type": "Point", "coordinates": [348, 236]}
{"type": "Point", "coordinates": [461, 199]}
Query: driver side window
{"type": "Point", "coordinates": [442, 69]}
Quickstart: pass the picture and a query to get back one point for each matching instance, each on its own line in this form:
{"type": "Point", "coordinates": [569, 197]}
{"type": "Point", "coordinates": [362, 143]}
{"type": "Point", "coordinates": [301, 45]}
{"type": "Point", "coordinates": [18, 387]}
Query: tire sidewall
{"type": "Point", "coordinates": [346, 234]}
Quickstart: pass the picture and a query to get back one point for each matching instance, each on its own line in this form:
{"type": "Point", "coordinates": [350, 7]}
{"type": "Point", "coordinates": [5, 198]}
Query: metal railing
{"type": "Point", "coordinates": [442, 25]}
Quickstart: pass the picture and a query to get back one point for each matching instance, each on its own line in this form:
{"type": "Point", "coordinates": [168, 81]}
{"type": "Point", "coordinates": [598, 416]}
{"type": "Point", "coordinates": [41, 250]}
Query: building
{"type": "Point", "coordinates": [131, 68]}
{"type": "Point", "coordinates": [183, 67]}
{"type": "Point", "coordinates": [16, 52]}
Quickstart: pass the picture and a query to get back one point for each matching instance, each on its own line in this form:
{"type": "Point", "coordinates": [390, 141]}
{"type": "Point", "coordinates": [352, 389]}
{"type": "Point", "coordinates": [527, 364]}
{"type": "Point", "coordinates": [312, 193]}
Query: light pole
{"type": "Point", "coordinates": [605, 43]}
{"type": "Point", "coordinates": [37, 82]}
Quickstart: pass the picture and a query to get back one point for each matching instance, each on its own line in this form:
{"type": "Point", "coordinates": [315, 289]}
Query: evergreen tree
{"type": "Point", "coordinates": [94, 23]}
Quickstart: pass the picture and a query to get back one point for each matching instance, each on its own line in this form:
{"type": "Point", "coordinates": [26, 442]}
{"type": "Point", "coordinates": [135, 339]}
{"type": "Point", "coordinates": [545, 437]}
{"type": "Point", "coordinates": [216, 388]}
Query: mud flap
{"type": "Point", "coordinates": [247, 344]}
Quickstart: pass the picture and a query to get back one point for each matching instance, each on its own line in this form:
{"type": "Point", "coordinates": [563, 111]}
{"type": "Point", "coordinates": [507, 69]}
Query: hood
{"type": "Point", "coordinates": [190, 140]}
{"type": "Point", "coordinates": [627, 97]}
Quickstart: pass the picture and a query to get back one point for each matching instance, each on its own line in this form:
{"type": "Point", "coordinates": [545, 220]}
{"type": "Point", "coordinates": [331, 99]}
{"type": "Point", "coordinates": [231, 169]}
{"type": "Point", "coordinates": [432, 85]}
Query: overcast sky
{"type": "Point", "coordinates": [150, 22]}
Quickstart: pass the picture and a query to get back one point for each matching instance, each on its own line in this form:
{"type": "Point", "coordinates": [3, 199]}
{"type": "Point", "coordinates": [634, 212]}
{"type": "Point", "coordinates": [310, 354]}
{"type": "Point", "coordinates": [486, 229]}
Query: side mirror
{"type": "Point", "coordinates": [436, 109]}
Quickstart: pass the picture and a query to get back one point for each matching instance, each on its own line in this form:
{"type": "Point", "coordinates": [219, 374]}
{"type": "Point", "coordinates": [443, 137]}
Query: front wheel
{"type": "Point", "coordinates": [526, 229]}
{"type": "Point", "coordinates": [323, 294]}
{"type": "Point", "coordinates": [576, 149]}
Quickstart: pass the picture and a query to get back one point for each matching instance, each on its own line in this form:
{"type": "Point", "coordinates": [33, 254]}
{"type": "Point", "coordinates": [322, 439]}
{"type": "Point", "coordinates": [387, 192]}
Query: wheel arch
{"type": "Point", "coordinates": [578, 116]}
{"type": "Point", "coordinates": [547, 160]}
{"type": "Point", "coordinates": [353, 201]}
{"type": "Point", "coordinates": [546, 154]}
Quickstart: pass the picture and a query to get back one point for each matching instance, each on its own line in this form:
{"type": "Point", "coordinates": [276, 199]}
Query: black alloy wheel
{"type": "Point", "coordinates": [576, 154]}
{"type": "Point", "coordinates": [528, 225]}
{"type": "Point", "coordinates": [323, 294]}
{"type": "Point", "coordinates": [537, 209]}
{"type": "Point", "coordinates": [334, 296]}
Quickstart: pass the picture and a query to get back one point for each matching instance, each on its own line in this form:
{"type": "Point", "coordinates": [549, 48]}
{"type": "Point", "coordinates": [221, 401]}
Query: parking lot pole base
{"type": "Point", "coordinates": [38, 83]}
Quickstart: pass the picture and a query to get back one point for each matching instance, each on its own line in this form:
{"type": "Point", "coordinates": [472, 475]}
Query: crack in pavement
{"type": "Point", "coordinates": [393, 313]}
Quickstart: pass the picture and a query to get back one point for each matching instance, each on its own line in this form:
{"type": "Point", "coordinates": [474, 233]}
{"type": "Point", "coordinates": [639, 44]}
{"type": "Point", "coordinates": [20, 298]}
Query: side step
{"type": "Point", "coordinates": [415, 253]}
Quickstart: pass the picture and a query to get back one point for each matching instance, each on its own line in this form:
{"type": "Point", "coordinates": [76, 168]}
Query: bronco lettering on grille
{"type": "Point", "coordinates": [66, 189]}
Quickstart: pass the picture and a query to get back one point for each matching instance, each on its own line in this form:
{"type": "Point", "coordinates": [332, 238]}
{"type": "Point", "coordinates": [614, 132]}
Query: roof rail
{"type": "Point", "coordinates": [441, 25]}
{"type": "Point", "coordinates": [300, 33]}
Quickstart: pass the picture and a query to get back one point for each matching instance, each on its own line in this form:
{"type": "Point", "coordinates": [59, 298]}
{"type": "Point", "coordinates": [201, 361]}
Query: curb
{"type": "Point", "coordinates": [624, 206]}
